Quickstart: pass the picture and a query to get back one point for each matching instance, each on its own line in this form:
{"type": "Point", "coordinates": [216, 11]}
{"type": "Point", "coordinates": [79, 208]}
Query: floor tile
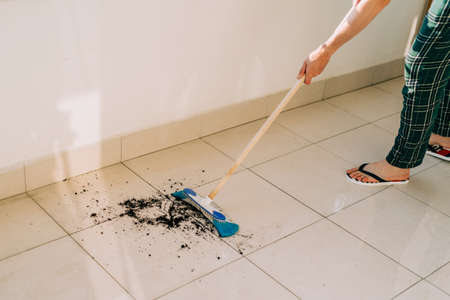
{"type": "Point", "coordinates": [391, 123]}
{"type": "Point", "coordinates": [431, 186]}
{"type": "Point", "coordinates": [239, 280]}
{"type": "Point", "coordinates": [318, 121]}
{"type": "Point", "coordinates": [150, 260]}
{"type": "Point", "coordinates": [315, 177]}
{"type": "Point", "coordinates": [369, 103]}
{"type": "Point", "coordinates": [193, 164]}
{"type": "Point", "coordinates": [324, 262]}
{"type": "Point", "coordinates": [394, 86]}
{"type": "Point", "coordinates": [263, 212]}
{"type": "Point", "coordinates": [441, 278]}
{"type": "Point", "coordinates": [423, 291]}
{"type": "Point", "coordinates": [72, 202]}
{"type": "Point", "coordinates": [410, 232]}
{"type": "Point", "coordinates": [275, 142]}
{"type": "Point", "coordinates": [23, 225]}
{"type": "Point", "coordinates": [365, 144]}
{"type": "Point", "coordinates": [58, 270]}
{"type": "Point", "coordinates": [428, 162]}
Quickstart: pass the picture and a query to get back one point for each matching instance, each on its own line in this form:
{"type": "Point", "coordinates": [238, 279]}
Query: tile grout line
{"type": "Point", "coordinates": [83, 249]}
{"type": "Point", "coordinates": [286, 193]}
{"type": "Point", "coordinates": [390, 93]}
{"type": "Point", "coordinates": [437, 287]}
{"type": "Point", "coordinates": [422, 280]}
{"type": "Point", "coordinates": [158, 190]}
{"type": "Point", "coordinates": [353, 114]}
{"type": "Point", "coordinates": [243, 256]}
{"type": "Point", "coordinates": [275, 186]}
{"type": "Point", "coordinates": [438, 269]}
{"type": "Point", "coordinates": [406, 289]}
{"type": "Point", "coordinates": [32, 248]}
{"type": "Point", "coordinates": [376, 249]}
{"type": "Point", "coordinates": [322, 215]}
{"type": "Point", "coordinates": [423, 202]}
{"type": "Point", "coordinates": [353, 204]}
{"type": "Point", "coordinates": [247, 167]}
{"type": "Point", "coordinates": [351, 90]}
{"type": "Point", "coordinates": [198, 277]}
{"type": "Point", "coordinates": [283, 237]}
{"type": "Point", "coordinates": [357, 202]}
{"type": "Point", "coordinates": [196, 186]}
{"type": "Point", "coordinates": [273, 278]}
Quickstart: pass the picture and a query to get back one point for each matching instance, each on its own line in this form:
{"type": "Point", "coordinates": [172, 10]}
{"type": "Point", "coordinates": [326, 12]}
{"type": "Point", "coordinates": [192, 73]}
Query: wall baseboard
{"type": "Point", "coordinates": [36, 173]}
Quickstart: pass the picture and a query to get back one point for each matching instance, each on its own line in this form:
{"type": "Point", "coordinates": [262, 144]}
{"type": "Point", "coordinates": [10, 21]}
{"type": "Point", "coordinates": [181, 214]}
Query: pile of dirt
{"type": "Point", "coordinates": [166, 211]}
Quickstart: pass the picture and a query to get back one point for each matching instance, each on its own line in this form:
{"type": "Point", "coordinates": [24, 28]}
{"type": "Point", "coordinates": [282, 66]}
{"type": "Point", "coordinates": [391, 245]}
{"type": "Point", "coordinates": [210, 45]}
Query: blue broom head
{"type": "Point", "coordinates": [225, 229]}
{"type": "Point", "coordinates": [180, 195]}
{"type": "Point", "coordinates": [220, 222]}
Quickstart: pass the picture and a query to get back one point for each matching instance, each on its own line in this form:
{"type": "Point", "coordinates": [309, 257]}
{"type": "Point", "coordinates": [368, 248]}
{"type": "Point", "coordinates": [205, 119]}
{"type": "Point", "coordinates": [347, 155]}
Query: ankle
{"type": "Point", "coordinates": [397, 170]}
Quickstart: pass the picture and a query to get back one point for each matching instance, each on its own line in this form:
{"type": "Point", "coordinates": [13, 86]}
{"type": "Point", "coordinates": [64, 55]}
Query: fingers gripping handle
{"type": "Point", "coordinates": [257, 136]}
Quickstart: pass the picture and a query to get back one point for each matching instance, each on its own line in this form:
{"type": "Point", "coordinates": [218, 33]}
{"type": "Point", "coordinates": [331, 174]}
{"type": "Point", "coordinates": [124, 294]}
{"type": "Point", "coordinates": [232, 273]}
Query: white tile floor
{"type": "Point", "coordinates": [306, 233]}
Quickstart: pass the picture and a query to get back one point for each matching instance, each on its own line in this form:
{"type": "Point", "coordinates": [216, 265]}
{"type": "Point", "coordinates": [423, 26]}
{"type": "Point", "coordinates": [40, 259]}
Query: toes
{"type": "Point", "coordinates": [351, 170]}
{"type": "Point", "coordinates": [366, 179]}
{"type": "Point", "coordinates": [353, 175]}
{"type": "Point", "coordinates": [357, 175]}
{"type": "Point", "coordinates": [361, 177]}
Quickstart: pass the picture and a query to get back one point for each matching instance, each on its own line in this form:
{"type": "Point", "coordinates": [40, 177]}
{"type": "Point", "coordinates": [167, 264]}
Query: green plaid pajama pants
{"type": "Point", "coordinates": [426, 104]}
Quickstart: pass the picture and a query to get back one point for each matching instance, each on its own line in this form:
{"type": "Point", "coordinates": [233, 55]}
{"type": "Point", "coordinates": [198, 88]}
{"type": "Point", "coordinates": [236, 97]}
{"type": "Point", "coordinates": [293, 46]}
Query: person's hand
{"type": "Point", "coordinates": [314, 64]}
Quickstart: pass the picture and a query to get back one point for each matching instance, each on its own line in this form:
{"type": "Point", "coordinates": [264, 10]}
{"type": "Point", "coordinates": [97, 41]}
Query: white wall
{"type": "Point", "coordinates": [73, 72]}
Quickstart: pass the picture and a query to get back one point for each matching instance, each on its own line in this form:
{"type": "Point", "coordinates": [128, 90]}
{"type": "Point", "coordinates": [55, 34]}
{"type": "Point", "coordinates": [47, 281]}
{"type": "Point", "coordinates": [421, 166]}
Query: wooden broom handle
{"type": "Point", "coordinates": [257, 137]}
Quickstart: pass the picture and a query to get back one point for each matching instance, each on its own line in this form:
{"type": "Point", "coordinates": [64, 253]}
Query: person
{"type": "Point", "coordinates": [425, 117]}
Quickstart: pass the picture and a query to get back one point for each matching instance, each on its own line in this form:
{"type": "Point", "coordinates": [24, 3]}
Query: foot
{"type": "Point", "coordinates": [382, 169]}
{"type": "Point", "coordinates": [443, 141]}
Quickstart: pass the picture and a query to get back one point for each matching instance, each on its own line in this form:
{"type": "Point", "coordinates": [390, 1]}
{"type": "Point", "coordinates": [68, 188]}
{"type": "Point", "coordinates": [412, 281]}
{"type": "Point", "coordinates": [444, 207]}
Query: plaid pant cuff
{"type": "Point", "coordinates": [399, 163]}
{"type": "Point", "coordinates": [442, 130]}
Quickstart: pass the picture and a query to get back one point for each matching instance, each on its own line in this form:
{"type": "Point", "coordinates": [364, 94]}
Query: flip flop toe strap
{"type": "Point", "coordinates": [361, 169]}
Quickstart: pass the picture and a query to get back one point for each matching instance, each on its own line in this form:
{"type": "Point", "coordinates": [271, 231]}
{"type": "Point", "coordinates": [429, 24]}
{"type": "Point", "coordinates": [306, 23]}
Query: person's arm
{"type": "Point", "coordinates": [359, 16]}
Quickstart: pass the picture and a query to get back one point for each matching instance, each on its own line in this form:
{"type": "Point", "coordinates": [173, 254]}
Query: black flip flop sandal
{"type": "Point", "coordinates": [380, 182]}
{"type": "Point", "coordinates": [439, 152]}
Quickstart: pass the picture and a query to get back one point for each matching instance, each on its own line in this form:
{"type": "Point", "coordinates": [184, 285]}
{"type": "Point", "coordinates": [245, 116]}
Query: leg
{"type": "Point", "coordinates": [426, 78]}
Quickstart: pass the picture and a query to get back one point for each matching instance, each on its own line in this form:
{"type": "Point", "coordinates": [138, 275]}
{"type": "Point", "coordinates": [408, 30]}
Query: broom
{"type": "Point", "coordinates": [206, 205]}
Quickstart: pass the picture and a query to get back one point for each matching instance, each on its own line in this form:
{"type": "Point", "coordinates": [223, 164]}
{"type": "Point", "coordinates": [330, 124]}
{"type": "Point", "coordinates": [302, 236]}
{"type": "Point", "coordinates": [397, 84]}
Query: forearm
{"type": "Point", "coordinates": [359, 16]}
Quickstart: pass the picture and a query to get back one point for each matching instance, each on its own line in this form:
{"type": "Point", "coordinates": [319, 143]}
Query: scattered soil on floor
{"type": "Point", "coordinates": [161, 211]}
{"type": "Point", "coordinates": [166, 211]}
